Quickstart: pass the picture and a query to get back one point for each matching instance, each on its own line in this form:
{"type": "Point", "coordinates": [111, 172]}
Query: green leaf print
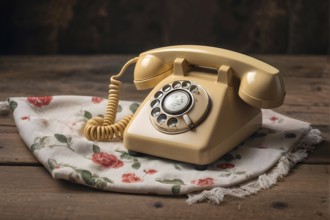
{"type": "Point", "coordinates": [39, 142]}
{"type": "Point", "coordinates": [87, 177]}
{"type": "Point", "coordinates": [290, 135]}
{"type": "Point", "coordinates": [125, 155]}
{"type": "Point", "coordinates": [177, 167]}
{"type": "Point", "coordinates": [106, 179]}
{"type": "Point", "coordinates": [96, 149]}
{"type": "Point", "coordinates": [171, 181]}
{"type": "Point", "coordinates": [13, 105]}
{"type": "Point", "coordinates": [42, 142]}
{"type": "Point", "coordinates": [100, 184]}
{"type": "Point", "coordinates": [176, 189]}
{"type": "Point", "coordinates": [35, 147]}
{"type": "Point", "coordinates": [263, 132]}
{"type": "Point", "coordinates": [87, 115]}
{"type": "Point", "coordinates": [133, 107]}
{"type": "Point", "coordinates": [52, 164]}
{"type": "Point", "coordinates": [61, 138]}
{"type": "Point", "coordinates": [228, 173]}
{"type": "Point", "coordinates": [119, 108]}
{"type": "Point", "coordinates": [136, 164]}
{"type": "Point", "coordinates": [230, 157]}
{"type": "Point", "coordinates": [225, 174]}
{"type": "Point", "coordinates": [239, 172]}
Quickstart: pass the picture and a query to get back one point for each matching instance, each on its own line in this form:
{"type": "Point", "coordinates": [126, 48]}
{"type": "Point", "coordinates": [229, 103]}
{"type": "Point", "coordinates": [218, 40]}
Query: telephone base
{"type": "Point", "coordinates": [139, 154]}
{"type": "Point", "coordinates": [214, 128]}
{"type": "Point", "coordinates": [199, 155]}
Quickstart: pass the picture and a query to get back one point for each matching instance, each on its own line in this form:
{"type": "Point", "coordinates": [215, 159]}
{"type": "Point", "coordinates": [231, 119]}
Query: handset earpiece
{"type": "Point", "coordinates": [150, 70]}
{"type": "Point", "coordinates": [262, 90]}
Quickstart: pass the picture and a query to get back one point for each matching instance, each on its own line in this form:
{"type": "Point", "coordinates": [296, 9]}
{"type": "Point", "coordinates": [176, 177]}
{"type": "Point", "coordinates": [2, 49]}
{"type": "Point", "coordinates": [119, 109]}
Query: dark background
{"type": "Point", "coordinates": [133, 26]}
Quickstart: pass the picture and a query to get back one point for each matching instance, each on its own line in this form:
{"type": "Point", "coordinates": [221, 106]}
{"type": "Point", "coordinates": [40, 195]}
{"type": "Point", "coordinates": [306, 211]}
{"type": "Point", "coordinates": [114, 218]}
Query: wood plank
{"type": "Point", "coordinates": [31, 193]}
{"type": "Point", "coordinates": [12, 148]}
{"type": "Point", "coordinates": [299, 66]}
{"type": "Point", "coordinates": [76, 87]}
{"type": "Point", "coordinates": [66, 66]}
{"type": "Point", "coordinates": [321, 155]}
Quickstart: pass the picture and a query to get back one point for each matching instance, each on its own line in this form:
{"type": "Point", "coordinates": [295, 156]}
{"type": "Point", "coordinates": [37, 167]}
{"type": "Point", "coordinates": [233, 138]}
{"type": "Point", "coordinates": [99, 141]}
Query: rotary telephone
{"type": "Point", "coordinates": [204, 102]}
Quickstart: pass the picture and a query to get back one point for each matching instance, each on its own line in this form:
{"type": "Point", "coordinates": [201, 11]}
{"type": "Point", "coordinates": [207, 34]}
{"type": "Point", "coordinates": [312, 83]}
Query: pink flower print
{"type": "Point", "coordinates": [224, 166]}
{"type": "Point", "coordinates": [203, 182]}
{"type": "Point", "coordinates": [40, 101]}
{"type": "Point", "coordinates": [273, 119]}
{"type": "Point", "coordinates": [44, 122]}
{"type": "Point", "coordinates": [107, 160]}
{"type": "Point", "coordinates": [150, 171]}
{"type": "Point", "coordinates": [26, 118]}
{"type": "Point", "coordinates": [130, 178]}
{"type": "Point", "coordinates": [97, 100]}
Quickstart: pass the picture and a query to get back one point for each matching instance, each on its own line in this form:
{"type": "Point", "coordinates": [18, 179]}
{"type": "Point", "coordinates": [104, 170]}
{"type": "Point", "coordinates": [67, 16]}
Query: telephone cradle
{"type": "Point", "coordinates": [204, 102]}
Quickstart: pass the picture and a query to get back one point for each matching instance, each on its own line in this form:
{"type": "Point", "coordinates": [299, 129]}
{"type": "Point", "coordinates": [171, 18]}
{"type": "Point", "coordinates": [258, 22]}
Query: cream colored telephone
{"type": "Point", "coordinates": [204, 102]}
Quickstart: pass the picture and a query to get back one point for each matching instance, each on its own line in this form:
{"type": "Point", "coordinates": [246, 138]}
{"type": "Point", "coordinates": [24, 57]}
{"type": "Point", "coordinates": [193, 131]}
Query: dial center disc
{"type": "Point", "coordinates": [176, 102]}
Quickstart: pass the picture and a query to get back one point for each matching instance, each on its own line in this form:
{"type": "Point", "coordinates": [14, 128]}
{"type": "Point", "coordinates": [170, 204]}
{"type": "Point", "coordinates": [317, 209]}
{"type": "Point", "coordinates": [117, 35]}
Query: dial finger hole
{"type": "Point", "coordinates": [158, 95]}
{"type": "Point", "coordinates": [166, 88]}
{"type": "Point", "coordinates": [172, 122]}
{"type": "Point", "coordinates": [161, 118]}
{"type": "Point", "coordinates": [186, 84]}
{"type": "Point", "coordinates": [155, 112]}
{"type": "Point", "coordinates": [194, 89]}
{"type": "Point", "coordinates": [154, 103]}
{"type": "Point", "coordinates": [176, 85]}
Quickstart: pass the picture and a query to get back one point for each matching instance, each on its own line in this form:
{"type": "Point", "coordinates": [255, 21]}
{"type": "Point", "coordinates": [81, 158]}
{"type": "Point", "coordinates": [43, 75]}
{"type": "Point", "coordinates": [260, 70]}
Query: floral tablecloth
{"type": "Point", "coordinates": [51, 127]}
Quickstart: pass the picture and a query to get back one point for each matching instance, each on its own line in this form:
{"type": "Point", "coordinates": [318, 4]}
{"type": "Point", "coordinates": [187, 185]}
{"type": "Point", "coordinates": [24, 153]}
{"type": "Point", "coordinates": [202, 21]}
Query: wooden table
{"type": "Point", "coordinates": [27, 191]}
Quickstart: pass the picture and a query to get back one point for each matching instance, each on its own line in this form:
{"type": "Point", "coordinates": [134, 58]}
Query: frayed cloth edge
{"type": "Point", "coordinates": [264, 181]}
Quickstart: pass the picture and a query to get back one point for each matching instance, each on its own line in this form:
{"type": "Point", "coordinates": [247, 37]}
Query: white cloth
{"type": "Point", "coordinates": [52, 127]}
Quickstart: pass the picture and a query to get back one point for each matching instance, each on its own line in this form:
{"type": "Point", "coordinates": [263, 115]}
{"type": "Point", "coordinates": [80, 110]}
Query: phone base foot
{"type": "Point", "coordinates": [135, 153]}
{"type": "Point", "coordinates": [200, 167]}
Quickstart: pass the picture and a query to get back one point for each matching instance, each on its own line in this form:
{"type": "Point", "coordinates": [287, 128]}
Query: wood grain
{"type": "Point", "coordinates": [33, 194]}
{"type": "Point", "coordinates": [13, 149]}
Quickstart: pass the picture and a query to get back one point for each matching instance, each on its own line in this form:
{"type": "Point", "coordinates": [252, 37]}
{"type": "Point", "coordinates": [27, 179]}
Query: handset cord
{"type": "Point", "coordinates": [105, 129]}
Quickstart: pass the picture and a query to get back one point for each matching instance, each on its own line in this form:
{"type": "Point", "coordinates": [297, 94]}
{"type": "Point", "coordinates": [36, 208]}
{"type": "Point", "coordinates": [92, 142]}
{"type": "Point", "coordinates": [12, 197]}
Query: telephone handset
{"type": "Point", "coordinates": [204, 102]}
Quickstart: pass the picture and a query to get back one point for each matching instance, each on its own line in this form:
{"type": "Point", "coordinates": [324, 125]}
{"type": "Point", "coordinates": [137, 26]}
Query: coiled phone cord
{"type": "Point", "coordinates": [105, 129]}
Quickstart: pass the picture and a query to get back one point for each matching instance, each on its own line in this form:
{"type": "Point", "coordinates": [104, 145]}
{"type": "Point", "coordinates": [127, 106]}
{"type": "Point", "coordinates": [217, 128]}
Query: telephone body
{"type": "Point", "coordinates": [204, 102]}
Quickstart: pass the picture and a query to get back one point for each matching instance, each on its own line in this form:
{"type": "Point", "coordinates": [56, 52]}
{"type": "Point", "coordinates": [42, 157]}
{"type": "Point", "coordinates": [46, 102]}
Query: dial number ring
{"type": "Point", "coordinates": [181, 106]}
